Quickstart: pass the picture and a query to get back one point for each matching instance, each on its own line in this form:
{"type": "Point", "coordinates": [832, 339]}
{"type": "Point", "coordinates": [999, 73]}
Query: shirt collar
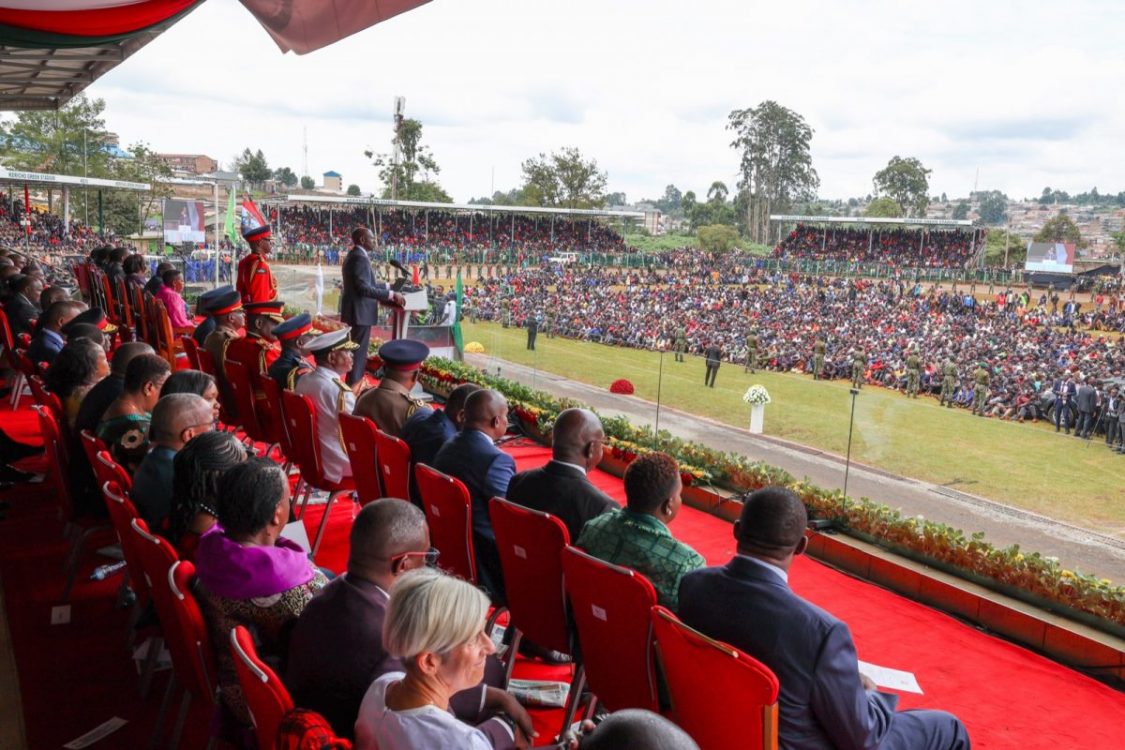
{"type": "Point", "coordinates": [567, 463]}
{"type": "Point", "coordinates": [53, 335]}
{"type": "Point", "coordinates": [782, 574]}
{"type": "Point", "coordinates": [644, 519]}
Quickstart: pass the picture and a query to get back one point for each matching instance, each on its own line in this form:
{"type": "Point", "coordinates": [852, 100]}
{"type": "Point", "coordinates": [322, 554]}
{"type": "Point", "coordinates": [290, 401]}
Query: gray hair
{"type": "Point", "coordinates": [431, 612]}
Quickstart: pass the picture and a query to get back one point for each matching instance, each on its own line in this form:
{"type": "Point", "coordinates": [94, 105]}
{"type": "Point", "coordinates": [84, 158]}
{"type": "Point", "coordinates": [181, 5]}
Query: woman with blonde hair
{"type": "Point", "coordinates": [435, 624]}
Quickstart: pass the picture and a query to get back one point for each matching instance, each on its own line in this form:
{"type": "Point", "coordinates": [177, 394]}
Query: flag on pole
{"type": "Point", "coordinates": [414, 278]}
{"type": "Point", "coordinates": [319, 285]}
{"type": "Point", "coordinates": [230, 230]}
{"type": "Point", "coordinates": [27, 209]}
{"type": "Point", "coordinates": [458, 339]}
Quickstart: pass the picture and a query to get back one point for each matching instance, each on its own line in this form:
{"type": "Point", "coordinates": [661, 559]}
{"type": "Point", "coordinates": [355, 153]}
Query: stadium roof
{"type": "Point", "coordinates": [383, 203]}
{"type": "Point", "coordinates": [50, 50]}
{"type": "Point", "coordinates": [43, 178]}
{"type": "Point", "coordinates": [905, 221]}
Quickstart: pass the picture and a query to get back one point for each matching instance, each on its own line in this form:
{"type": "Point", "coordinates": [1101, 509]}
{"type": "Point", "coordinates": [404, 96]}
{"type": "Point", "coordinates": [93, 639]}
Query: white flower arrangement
{"type": "Point", "coordinates": [756, 395]}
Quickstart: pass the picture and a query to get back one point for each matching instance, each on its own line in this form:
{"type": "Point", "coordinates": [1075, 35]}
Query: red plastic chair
{"type": "Point", "coordinates": [42, 395]}
{"type": "Point", "coordinates": [84, 528]}
{"type": "Point", "coordinates": [181, 623]}
{"type": "Point", "coordinates": [122, 513]}
{"type": "Point", "coordinates": [207, 364]}
{"type": "Point", "coordinates": [393, 464]}
{"type": "Point", "coordinates": [238, 379]}
{"type": "Point", "coordinates": [300, 420]}
{"type": "Point", "coordinates": [449, 514]}
{"type": "Point", "coordinates": [720, 696]}
{"type": "Point", "coordinates": [92, 445]}
{"type": "Point", "coordinates": [266, 698]}
{"type": "Point", "coordinates": [360, 435]}
{"type": "Point", "coordinates": [269, 415]}
{"type": "Point", "coordinates": [108, 470]}
{"type": "Point", "coordinates": [191, 349]}
{"type": "Point", "coordinates": [611, 606]}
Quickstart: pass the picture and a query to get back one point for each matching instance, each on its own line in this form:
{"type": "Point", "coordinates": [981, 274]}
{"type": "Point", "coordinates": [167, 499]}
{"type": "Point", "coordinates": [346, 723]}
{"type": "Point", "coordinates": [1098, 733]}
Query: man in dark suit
{"type": "Point", "coordinates": [360, 298]}
{"type": "Point", "coordinates": [428, 430]}
{"type": "Point", "coordinates": [714, 357]}
{"type": "Point", "coordinates": [825, 703]}
{"type": "Point", "coordinates": [472, 457]}
{"type": "Point", "coordinates": [336, 649]}
{"type": "Point", "coordinates": [1065, 391]}
{"type": "Point", "coordinates": [48, 340]}
{"type": "Point", "coordinates": [21, 307]}
{"type": "Point", "coordinates": [532, 331]}
{"type": "Point", "coordinates": [1086, 400]}
{"type": "Point", "coordinates": [561, 486]}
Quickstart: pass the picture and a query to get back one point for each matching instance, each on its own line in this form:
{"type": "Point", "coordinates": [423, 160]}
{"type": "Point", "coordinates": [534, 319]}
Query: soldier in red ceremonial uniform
{"type": "Point", "coordinates": [257, 350]}
{"type": "Point", "coordinates": [256, 282]}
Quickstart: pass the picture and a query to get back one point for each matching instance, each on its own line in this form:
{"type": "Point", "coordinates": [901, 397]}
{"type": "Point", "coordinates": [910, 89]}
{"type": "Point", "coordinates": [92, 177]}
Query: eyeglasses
{"type": "Point", "coordinates": [430, 558]}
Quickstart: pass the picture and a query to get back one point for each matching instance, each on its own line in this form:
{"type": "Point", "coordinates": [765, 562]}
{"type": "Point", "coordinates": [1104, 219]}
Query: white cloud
{"type": "Point", "coordinates": [1026, 92]}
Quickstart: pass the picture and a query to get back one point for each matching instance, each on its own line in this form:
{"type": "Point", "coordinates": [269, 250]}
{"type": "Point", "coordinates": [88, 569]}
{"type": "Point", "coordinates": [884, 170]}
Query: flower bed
{"type": "Point", "coordinates": [1041, 578]}
{"type": "Point", "coordinates": [622, 386]}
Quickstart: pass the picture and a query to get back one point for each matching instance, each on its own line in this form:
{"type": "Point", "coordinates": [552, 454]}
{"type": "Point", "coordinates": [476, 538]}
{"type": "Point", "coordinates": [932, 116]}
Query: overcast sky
{"type": "Point", "coordinates": [1028, 92]}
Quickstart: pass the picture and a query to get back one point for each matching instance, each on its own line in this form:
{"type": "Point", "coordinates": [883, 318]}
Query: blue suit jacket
{"type": "Point", "coordinates": [359, 301]}
{"type": "Point", "coordinates": [44, 347]}
{"type": "Point", "coordinates": [822, 704]}
{"type": "Point", "coordinates": [472, 457]}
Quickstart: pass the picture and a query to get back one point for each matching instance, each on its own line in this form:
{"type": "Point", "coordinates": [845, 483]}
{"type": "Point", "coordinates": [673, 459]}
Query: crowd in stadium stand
{"type": "Point", "coordinates": [1029, 341]}
{"type": "Point", "coordinates": [900, 247]}
{"type": "Point", "coordinates": [306, 229]}
{"type": "Point", "coordinates": [49, 234]}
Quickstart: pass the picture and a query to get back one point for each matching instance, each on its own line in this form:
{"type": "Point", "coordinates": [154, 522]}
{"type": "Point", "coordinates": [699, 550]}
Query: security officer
{"type": "Point", "coordinates": [333, 353]}
{"type": "Point", "coordinates": [859, 365]}
{"type": "Point", "coordinates": [913, 372]}
{"type": "Point", "coordinates": [680, 344]}
{"type": "Point", "coordinates": [229, 317]}
{"type": "Point", "coordinates": [751, 352]}
{"type": "Point", "coordinates": [292, 363]}
{"type": "Point", "coordinates": [980, 389]}
{"type": "Point", "coordinates": [202, 307]}
{"type": "Point", "coordinates": [948, 382]}
{"type": "Point", "coordinates": [390, 404]}
{"type": "Point", "coordinates": [256, 282]}
{"type": "Point", "coordinates": [819, 349]}
{"type": "Point", "coordinates": [532, 324]}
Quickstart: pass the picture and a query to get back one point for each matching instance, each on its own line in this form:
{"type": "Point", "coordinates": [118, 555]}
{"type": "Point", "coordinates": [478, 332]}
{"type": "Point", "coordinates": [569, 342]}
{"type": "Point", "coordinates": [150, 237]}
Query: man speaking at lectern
{"type": "Point", "coordinates": [359, 302]}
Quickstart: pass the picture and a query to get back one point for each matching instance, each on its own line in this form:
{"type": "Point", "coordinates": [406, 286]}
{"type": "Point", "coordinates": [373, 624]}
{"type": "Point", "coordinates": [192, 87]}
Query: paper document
{"type": "Point", "coordinates": [539, 692]}
{"type": "Point", "coordinates": [895, 679]}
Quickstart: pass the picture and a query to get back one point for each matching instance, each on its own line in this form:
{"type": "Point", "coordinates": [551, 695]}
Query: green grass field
{"type": "Point", "coordinates": [1024, 465]}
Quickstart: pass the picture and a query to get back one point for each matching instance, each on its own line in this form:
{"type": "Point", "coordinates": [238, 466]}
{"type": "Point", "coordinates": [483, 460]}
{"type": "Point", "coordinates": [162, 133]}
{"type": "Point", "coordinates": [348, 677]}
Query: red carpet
{"type": "Point", "coordinates": [76, 676]}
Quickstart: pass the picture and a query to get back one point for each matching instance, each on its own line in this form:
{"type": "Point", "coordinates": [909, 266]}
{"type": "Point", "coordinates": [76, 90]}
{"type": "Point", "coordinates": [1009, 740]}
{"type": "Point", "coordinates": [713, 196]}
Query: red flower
{"type": "Point", "coordinates": [621, 386]}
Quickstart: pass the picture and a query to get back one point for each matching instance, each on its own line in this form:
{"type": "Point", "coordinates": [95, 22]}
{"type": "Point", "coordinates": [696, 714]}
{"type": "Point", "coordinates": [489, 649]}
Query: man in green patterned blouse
{"type": "Point", "coordinates": [637, 536]}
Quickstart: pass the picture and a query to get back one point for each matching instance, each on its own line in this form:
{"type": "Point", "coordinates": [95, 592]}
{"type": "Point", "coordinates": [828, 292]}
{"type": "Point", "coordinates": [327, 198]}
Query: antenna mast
{"type": "Point", "coordinates": [306, 151]}
{"type": "Point", "coordinates": [396, 157]}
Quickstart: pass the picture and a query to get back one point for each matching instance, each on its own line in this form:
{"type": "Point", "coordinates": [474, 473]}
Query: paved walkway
{"type": "Point", "coordinates": [1076, 548]}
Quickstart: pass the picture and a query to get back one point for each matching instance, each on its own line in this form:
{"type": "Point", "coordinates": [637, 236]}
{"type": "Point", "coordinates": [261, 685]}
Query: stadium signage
{"type": "Point", "coordinates": [60, 179]}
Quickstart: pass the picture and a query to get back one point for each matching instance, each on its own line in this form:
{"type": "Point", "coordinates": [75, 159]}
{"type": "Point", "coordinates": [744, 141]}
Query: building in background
{"type": "Point", "coordinates": [333, 182]}
{"type": "Point", "coordinates": [185, 165]}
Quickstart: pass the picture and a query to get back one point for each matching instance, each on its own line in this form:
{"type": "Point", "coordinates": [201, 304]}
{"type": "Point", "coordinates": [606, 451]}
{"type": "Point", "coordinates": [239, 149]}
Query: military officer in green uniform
{"type": "Point", "coordinates": [913, 372]}
{"type": "Point", "coordinates": [751, 352]}
{"type": "Point", "coordinates": [948, 382]}
{"type": "Point", "coordinates": [679, 346]}
{"type": "Point", "coordinates": [505, 313]}
{"type": "Point", "coordinates": [980, 389]}
{"type": "Point", "coordinates": [391, 403]}
{"type": "Point", "coordinates": [819, 348]}
{"type": "Point", "coordinates": [859, 365]}
{"type": "Point", "coordinates": [551, 323]}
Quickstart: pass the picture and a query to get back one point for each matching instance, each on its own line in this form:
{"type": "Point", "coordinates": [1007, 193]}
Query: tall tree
{"type": "Point", "coordinates": [1061, 229]}
{"type": "Point", "coordinates": [307, 183]}
{"type": "Point", "coordinates": [992, 207]}
{"type": "Point", "coordinates": [961, 210]}
{"type": "Point", "coordinates": [776, 164]}
{"type": "Point", "coordinates": [883, 207]}
{"type": "Point", "coordinates": [670, 202]}
{"type": "Point", "coordinates": [71, 140]}
{"type": "Point", "coordinates": [906, 182]}
{"type": "Point", "coordinates": [564, 179]}
{"type": "Point", "coordinates": [285, 176]}
{"type": "Point", "coordinates": [253, 166]}
{"type": "Point", "coordinates": [717, 238]}
{"type": "Point", "coordinates": [414, 177]}
{"type": "Point", "coordinates": [718, 192]}
{"type": "Point", "coordinates": [353, 190]}
{"type": "Point", "coordinates": [125, 210]}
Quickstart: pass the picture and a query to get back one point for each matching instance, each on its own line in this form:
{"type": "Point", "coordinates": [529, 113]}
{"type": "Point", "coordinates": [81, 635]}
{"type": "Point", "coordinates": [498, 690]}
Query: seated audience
{"type": "Point", "coordinates": [560, 487]}
{"type": "Point", "coordinates": [153, 285]}
{"type": "Point", "coordinates": [109, 388]}
{"type": "Point", "coordinates": [176, 419]}
{"type": "Point", "coordinates": [203, 307]}
{"type": "Point", "coordinates": [824, 702]}
{"type": "Point", "coordinates": [637, 536]}
{"type": "Point", "coordinates": [472, 456]}
{"type": "Point", "coordinates": [78, 368]}
{"type": "Point", "coordinates": [248, 574]}
{"type": "Point", "coordinates": [124, 426]}
{"type": "Point", "coordinates": [52, 294]}
{"type": "Point", "coordinates": [48, 340]}
{"type": "Point", "coordinates": [195, 477]}
{"type": "Point", "coordinates": [336, 650]}
{"type": "Point", "coordinates": [390, 404]}
{"type": "Point", "coordinates": [434, 626]}
{"type": "Point", "coordinates": [292, 362]}
{"type": "Point", "coordinates": [22, 305]}
{"type": "Point", "coordinates": [426, 431]}
{"type": "Point", "coordinates": [636, 729]}
{"type": "Point", "coordinates": [193, 381]}
{"type": "Point", "coordinates": [134, 267]}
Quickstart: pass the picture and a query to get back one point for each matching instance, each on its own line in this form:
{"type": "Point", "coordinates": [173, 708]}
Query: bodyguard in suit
{"type": "Point", "coordinates": [1064, 391]}
{"type": "Point", "coordinates": [713, 356]}
{"type": "Point", "coordinates": [824, 704]}
{"type": "Point", "coordinates": [561, 487]}
{"type": "Point", "coordinates": [427, 430]}
{"type": "Point", "coordinates": [472, 457]}
{"type": "Point", "coordinates": [360, 298]}
{"type": "Point", "coordinates": [1110, 413]}
{"type": "Point", "coordinates": [1086, 400]}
